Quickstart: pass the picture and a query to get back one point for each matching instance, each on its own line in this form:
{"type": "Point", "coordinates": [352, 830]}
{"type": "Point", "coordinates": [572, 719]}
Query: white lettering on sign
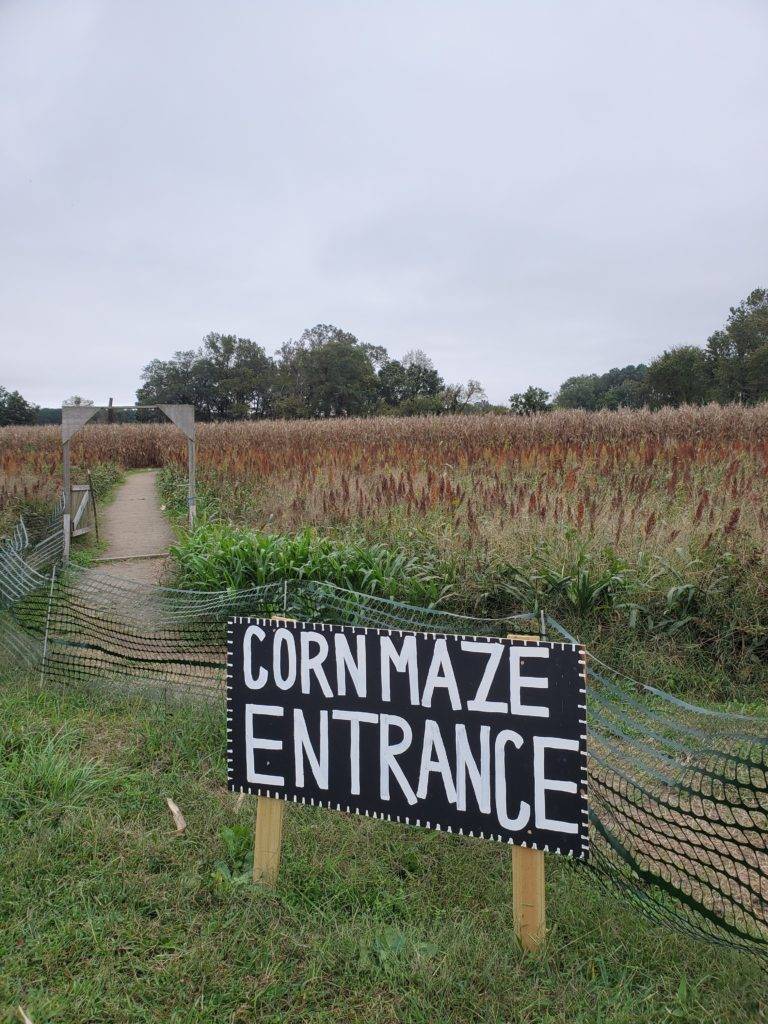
{"type": "Point", "coordinates": [470, 734]}
{"type": "Point", "coordinates": [541, 783]}
{"type": "Point", "coordinates": [254, 743]}
{"type": "Point", "coordinates": [355, 719]}
{"type": "Point", "coordinates": [518, 682]}
{"type": "Point", "coordinates": [403, 660]}
{"type": "Point", "coordinates": [263, 675]}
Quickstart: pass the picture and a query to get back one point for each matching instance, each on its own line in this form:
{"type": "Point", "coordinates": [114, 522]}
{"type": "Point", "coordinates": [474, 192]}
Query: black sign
{"type": "Point", "coordinates": [475, 735]}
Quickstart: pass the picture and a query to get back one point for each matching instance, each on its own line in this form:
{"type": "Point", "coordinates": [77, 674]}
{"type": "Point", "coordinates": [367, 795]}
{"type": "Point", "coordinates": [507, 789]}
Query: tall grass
{"type": "Point", "coordinates": [216, 556]}
{"type": "Point", "coordinates": [43, 773]}
{"type": "Point", "coordinates": [108, 915]}
{"type": "Point", "coordinates": [713, 606]}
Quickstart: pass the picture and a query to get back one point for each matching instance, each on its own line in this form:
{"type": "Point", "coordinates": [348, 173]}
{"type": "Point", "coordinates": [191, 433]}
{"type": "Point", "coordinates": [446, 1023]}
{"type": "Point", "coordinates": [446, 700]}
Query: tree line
{"type": "Point", "coordinates": [731, 367]}
{"type": "Point", "coordinates": [328, 372]}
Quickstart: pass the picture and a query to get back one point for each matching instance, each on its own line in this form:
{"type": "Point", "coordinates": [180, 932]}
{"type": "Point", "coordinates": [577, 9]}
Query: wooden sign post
{"type": "Point", "coordinates": [529, 913]}
{"type": "Point", "coordinates": [268, 840]}
{"type": "Point", "coordinates": [528, 899]}
{"type": "Point", "coordinates": [268, 831]}
{"type": "Point", "coordinates": [479, 736]}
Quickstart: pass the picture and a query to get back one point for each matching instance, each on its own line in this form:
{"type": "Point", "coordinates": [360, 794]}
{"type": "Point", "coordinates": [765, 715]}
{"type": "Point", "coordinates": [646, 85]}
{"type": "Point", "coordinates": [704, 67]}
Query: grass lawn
{"type": "Point", "coordinates": [106, 915]}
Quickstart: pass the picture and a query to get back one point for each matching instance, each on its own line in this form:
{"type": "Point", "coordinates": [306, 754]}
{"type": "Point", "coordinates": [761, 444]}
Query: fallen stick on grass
{"type": "Point", "coordinates": [178, 817]}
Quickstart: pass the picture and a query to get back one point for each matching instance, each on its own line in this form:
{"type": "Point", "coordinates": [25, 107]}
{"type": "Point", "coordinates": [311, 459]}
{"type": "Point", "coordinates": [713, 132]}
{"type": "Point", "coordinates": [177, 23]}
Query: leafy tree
{"type": "Point", "coordinates": [377, 354]}
{"type": "Point", "coordinates": [340, 380]}
{"type": "Point", "coordinates": [392, 382]}
{"type": "Point", "coordinates": [731, 350]}
{"type": "Point", "coordinates": [579, 392]}
{"type": "Point", "coordinates": [239, 375]}
{"type": "Point", "coordinates": [621, 386]}
{"type": "Point", "coordinates": [15, 410]}
{"type": "Point", "coordinates": [327, 372]}
{"type": "Point", "coordinates": [421, 377]}
{"type": "Point", "coordinates": [422, 405]}
{"type": "Point", "coordinates": [170, 381]}
{"type": "Point", "coordinates": [227, 378]}
{"type": "Point", "coordinates": [681, 374]}
{"type": "Point", "coordinates": [629, 394]}
{"type": "Point", "coordinates": [461, 397]}
{"type": "Point", "coordinates": [756, 375]}
{"type": "Point", "coordinates": [48, 416]}
{"type": "Point", "coordinates": [403, 383]}
{"type": "Point", "coordinates": [529, 401]}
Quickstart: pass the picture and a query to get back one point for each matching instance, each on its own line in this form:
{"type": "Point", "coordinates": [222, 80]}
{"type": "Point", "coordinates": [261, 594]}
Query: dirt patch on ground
{"type": "Point", "coordinates": [134, 525]}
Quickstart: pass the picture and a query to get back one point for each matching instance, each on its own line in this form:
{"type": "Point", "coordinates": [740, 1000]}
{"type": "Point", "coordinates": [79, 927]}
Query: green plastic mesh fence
{"type": "Point", "coordinates": [678, 793]}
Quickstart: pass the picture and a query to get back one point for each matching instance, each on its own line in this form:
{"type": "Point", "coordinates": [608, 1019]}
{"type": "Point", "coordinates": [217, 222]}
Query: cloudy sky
{"type": "Point", "coordinates": [524, 189]}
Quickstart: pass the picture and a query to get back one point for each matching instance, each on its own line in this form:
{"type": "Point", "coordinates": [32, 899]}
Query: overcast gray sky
{"type": "Point", "coordinates": [525, 190]}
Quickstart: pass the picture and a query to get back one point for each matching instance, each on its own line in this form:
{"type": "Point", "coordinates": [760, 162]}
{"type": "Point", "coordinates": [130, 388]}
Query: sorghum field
{"type": "Point", "coordinates": [644, 533]}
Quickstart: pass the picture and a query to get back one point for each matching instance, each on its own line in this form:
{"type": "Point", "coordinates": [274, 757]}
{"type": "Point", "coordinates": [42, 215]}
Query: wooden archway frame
{"type": "Point", "coordinates": [75, 417]}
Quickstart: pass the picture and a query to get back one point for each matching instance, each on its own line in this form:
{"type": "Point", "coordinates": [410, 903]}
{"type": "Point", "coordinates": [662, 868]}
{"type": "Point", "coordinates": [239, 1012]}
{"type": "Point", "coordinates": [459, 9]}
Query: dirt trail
{"type": "Point", "coordinates": [134, 525]}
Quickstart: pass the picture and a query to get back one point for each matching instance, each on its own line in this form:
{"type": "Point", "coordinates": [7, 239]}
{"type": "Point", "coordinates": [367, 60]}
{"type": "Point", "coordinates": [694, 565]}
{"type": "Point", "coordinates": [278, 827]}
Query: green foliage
{"type": "Point", "coordinates": [410, 383]}
{"type": "Point", "coordinates": [172, 488]}
{"type": "Point", "coordinates": [15, 410]}
{"type": "Point", "coordinates": [106, 915]}
{"type": "Point", "coordinates": [327, 372]}
{"type": "Point", "coordinates": [45, 416]}
{"type": "Point", "coordinates": [712, 600]}
{"type": "Point", "coordinates": [732, 368]}
{"type": "Point", "coordinates": [756, 374]}
{"type": "Point", "coordinates": [618, 388]}
{"type": "Point", "coordinates": [530, 401]}
{"type": "Point", "coordinates": [227, 378]}
{"type": "Point", "coordinates": [681, 375]}
{"type": "Point", "coordinates": [218, 556]}
{"type": "Point", "coordinates": [105, 476]}
{"type": "Point", "coordinates": [579, 590]}
{"type": "Point", "coordinates": [44, 774]}
{"type": "Point", "coordinates": [236, 867]}
{"type": "Point", "coordinates": [457, 398]}
{"type": "Point", "coordinates": [738, 354]}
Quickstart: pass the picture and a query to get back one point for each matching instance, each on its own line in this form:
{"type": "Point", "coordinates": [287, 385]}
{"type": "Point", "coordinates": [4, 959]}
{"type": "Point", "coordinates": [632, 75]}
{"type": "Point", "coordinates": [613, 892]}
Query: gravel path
{"type": "Point", "coordinates": [134, 525]}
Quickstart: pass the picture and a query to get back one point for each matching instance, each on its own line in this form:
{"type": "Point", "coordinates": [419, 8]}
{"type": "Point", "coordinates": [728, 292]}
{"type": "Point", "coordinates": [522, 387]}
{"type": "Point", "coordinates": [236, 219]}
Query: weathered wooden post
{"type": "Point", "coordinates": [67, 486]}
{"type": "Point", "coordinates": [268, 831]}
{"type": "Point", "coordinates": [191, 499]}
{"type": "Point", "coordinates": [184, 418]}
{"type": "Point", "coordinates": [529, 913]}
{"type": "Point", "coordinates": [73, 419]}
{"type": "Point", "coordinates": [528, 897]}
{"type": "Point", "coordinates": [268, 840]}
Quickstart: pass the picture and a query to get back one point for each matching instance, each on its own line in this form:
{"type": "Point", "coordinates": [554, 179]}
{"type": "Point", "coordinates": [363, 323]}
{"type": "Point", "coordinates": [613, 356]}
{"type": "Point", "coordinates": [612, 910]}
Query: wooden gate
{"type": "Point", "coordinates": [82, 502]}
